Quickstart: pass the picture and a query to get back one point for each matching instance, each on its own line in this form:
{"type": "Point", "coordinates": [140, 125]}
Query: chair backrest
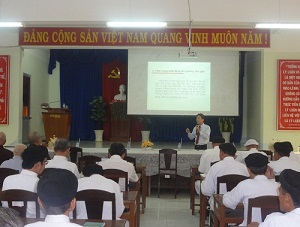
{"type": "Point", "coordinates": [131, 160]}
{"type": "Point", "coordinates": [116, 175]}
{"type": "Point", "coordinates": [17, 195]}
{"type": "Point", "coordinates": [5, 172]}
{"type": "Point", "coordinates": [231, 180]}
{"type": "Point", "coordinates": [87, 160]}
{"type": "Point", "coordinates": [269, 153]}
{"type": "Point", "coordinates": [212, 163]}
{"type": "Point", "coordinates": [166, 157]}
{"type": "Point", "coordinates": [74, 153]}
{"type": "Point", "coordinates": [94, 200]}
{"type": "Point", "coordinates": [267, 205]}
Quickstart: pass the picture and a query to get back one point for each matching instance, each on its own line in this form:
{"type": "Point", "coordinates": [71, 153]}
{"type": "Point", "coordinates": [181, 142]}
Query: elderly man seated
{"type": "Point", "coordinates": [16, 161]}
{"type": "Point", "coordinates": [251, 148]}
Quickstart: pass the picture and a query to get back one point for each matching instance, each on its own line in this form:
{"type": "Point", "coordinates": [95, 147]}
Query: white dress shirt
{"type": "Point", "coordinates": [250, 188]}
{"type": "Point", "coordinates": [116, 162]}
{"type": "Point", "coordinates": [277, 219]}
{"type": "Point", "coordinates": [208, 156]}
{"type": "Point", "coordinates": [241, 155]}
{"type": "Point", "coordinates": [99, 182]}
{"type": "Point", "coordinates": [26, 180]}
{"type": "Point", "coordinates": [284, 163]}
{"type": "Point", "coordinates": [13, 163]}
{"type": "Point", "coordinates": [204, 135]}
{"type": "Point", "coordinates": [61, 162]}
{"type": "Point", "coordinates": [54, 221]}
{"type": "Point", "coordinates": [227, 166]}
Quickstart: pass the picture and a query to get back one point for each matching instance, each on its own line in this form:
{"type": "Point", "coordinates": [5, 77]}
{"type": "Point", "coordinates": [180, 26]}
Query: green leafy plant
{"type": "Point", "coordinates": [98, 111]}
{"type": "Point", "coordinates": [226, 124]}
{"type": "Point", "coordinates": [146, 121]}
{"type": "Point", "coordinates": [119, 110]}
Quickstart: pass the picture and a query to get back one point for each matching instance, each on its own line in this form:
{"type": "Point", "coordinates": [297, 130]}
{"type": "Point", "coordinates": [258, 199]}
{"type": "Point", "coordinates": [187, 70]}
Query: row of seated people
{"type": "Point", "coordinates": [34, 161]}
{"type": "Point", "coordinates": [257, 167]}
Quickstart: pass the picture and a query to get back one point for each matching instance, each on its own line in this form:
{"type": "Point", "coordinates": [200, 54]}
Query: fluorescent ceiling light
{"type": "Point", "coordinates": [11, 24]}
{"type": "Point", "coordinates": [137, 24]}
{"type": "Point", "coordinates": [274, 25]}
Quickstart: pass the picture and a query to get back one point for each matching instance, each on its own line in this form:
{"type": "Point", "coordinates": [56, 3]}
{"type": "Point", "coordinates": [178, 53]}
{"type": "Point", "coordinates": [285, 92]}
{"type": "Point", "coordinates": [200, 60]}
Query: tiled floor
{"type": "Point", "coordinates": [167, 211]}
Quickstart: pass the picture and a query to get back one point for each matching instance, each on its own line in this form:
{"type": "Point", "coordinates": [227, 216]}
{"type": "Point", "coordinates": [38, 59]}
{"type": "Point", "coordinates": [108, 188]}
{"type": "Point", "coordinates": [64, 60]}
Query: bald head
{"type": "Point", "coordinates": [34, 138]}
{"type": "Point", "coordinates": [18, 150]}
{"type": "Point", "coordinates": [2, 138]}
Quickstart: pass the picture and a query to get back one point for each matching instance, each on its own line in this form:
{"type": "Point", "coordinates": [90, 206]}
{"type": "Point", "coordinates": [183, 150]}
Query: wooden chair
{"type": "Point", "coordinates": [167, 170]}
{"type": "Point", "coordinates": [131, 160]}
{"type": "Point", "coordinates": [17, 195]}
{"type": "Point", "coordinates": [267, 205]}
{"type": "Point", "coordinates": [116, 175]}
{"type": "Point", "coordinates": [231, 180]}
{"type": "Point", "coordinates": [94, 200]}
{"type": "Point", "coordinates": [86, 160]}
{"type": "Point", "coordinates": [269, 153]}
{"type": "Point", "coordinates": [74, 153]}
{"type": "Point", "coordinates": [5, 172]}
{"type": "Point", "coordinates": [194, 176]}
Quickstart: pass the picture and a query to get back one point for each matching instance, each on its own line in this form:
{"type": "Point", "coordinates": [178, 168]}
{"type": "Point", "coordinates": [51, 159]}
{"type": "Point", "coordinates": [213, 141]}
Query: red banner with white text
{"type": "Point", "coordinates": [4, 89]}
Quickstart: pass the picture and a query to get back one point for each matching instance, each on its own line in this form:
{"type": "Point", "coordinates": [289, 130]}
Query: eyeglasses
{"type": "Point", "coordinates": [46, 162]}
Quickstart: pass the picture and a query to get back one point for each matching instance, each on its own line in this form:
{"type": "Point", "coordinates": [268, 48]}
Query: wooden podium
{"type": "Point", "coordinates": [57, 122]}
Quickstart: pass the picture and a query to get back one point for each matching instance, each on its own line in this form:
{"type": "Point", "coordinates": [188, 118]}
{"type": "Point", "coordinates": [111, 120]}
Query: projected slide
{"type": "Point", "coordinates": [178, 86]}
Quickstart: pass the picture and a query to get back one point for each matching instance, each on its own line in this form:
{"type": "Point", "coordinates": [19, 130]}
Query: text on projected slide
{"type": "Point", "coordinates": [178, 86]}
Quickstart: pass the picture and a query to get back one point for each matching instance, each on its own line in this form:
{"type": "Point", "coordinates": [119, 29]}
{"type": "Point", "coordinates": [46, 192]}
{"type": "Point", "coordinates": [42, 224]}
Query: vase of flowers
{"type": "Point", "coordinates": [146, 123]}
{"type": "Point", "coordinates": [52, 141]}
{"type": "Point", "coordinates": [226, 127]}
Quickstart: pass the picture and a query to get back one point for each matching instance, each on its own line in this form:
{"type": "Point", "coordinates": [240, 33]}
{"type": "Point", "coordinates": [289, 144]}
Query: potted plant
{"type": "Point", "coordinates": [98, 114]}
{"type": "Point", "coordinates": [226, 127]}
{"type": "Point", "coordinates": [146, 122]}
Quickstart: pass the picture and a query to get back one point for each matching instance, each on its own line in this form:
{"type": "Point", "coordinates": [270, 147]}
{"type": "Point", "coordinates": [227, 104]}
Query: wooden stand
{"type": "Point", "coordinates": [57, 122]}
{"type": "Point", "coordinates": [120, 130]}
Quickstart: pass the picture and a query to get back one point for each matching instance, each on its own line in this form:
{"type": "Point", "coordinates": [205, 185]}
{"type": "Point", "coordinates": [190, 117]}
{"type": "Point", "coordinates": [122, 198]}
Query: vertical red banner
{"type": "Point", "coordinates": [288, 99]}
{"type": "Point", "coordinates": [4, 88]}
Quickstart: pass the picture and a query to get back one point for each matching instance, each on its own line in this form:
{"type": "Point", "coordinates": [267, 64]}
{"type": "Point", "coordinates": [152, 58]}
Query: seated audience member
{"type": "Point", "coordinates": [209, 156]}
{"type": "Point", "coordinates": [5, 154]}
{"type": "Point", "coordinates": [10, 218]}
{"type": "Point", "coordinates": [34, 160]}
{"type": "Point", "coordinates": [251, 148]}
{"type": "Point", "coordinates": [34, 139]}
{"type": "Point", "coordinates": [289, 200]}
{"type": "Point", "coordinates": [282, 161]}
{"type": "Point", "coordinates": [257, 185]}
{"type": "Point", "coordinates": [60, 160]}
{"type": "Point", "coordinates": [93, 179]}
{"type": "Point", "coordinates": [116, 155]}
{"type": "Point", "coordinates": [56, 195]}
{"type": "Point", "coordinates": [226, 166]}
{"type": "Point", "coordinates": [16, 161]}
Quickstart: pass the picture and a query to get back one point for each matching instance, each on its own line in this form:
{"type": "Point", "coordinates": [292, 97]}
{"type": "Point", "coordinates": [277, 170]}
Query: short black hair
{"type": "Point", "coordinates": [91, 169]}
{"type": "Point", "coordinates": [228, 148]}
{"type": "Point", "coordinates": [217, 139]}
{"type": "Point", "coordinates": [117, 149]}
{"type": "Point", "coordinates": [32, 155]}
{"type": "Point", "coordinates": [258, 170]}
{"type": "Point", "coordinates": [57, 210]}
{"type": "Point", "coordinates": [283, 148]}
{"type": "Point", "coordinates": [201, 115]}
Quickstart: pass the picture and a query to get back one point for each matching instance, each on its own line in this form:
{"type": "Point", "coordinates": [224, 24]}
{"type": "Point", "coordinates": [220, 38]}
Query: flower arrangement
{"type": "Point", "coordinates": [118, 109]}
{"type": "Point", "coordinates": [226, 124]}
{"type": "Point", "coordinates": [52, 141]}
{"type": "Point", "coordinates": [147, 143]}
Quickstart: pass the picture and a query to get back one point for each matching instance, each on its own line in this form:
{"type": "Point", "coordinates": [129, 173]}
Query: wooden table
{"type": "Point", "coordinates": [220, 218]}
{"type": "Point", "coordinates": [132, 201]}
{"type": "Point", "coordinates": [108, 223]}
{"type": "Point", "coordinates": [141, 168]}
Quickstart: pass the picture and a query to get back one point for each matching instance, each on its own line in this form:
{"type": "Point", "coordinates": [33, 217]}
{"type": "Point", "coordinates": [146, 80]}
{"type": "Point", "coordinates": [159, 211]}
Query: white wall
{"type": "Point", "coordinates": [35, 63]}
{"type": "Point", "coordinates": [14, 129]}
{"type": "Point", "coordinates": [54, 87]}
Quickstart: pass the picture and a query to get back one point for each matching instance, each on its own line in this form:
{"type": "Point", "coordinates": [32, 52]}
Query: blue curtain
{"type": "Point", "coordinates": [80, 81]}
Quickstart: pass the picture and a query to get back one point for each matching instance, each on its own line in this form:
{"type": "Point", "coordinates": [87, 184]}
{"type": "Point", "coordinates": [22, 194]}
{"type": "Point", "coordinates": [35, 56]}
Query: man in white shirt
{"type": "Point", "coordinates": [282, 161]}
{"type": "Point", "coordinates": [226, 166]}
{"type": "Point", "coordinates": [252, 147]}
{"type": "Point", "coordinates": [93, 179]}
{"type": "Point", "coordinates": [200, 133]}
{"type": "Point", "coordinates": [209, 156]}
{"type": "Point", "coordinates": [34, 160]}
{"type": "Point", "coordinates": [257, 185]}
{"type": "Point", "coordinates": [289, 200]}
{"type": "Point", "coordinates": [116, 155]}
{"type": "Point", "coordinates": [60, 160]}
{"type": "Point", "coordinates": [56, 195]}
{"type": "Point", "coordinates": [16, 161]}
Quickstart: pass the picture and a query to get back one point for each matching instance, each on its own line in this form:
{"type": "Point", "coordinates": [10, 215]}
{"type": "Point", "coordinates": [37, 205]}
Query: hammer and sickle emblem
{"type": "Point", "coordinates": [114, 74]}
